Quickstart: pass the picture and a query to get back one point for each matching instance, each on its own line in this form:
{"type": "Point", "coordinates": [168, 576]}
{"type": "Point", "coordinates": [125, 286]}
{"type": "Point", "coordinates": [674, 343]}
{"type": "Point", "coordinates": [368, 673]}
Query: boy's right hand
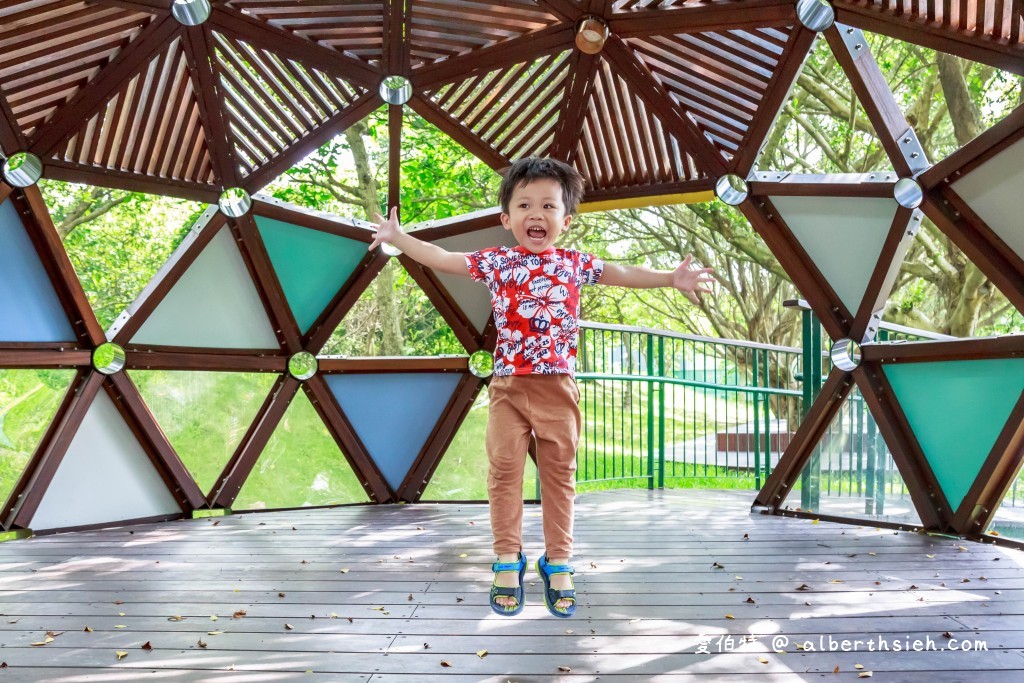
{"type": "Point", "coordinates": [387, 229]}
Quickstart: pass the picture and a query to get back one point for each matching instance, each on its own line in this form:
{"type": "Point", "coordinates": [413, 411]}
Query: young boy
{"type": "Point", "coordinates": [535, 294]}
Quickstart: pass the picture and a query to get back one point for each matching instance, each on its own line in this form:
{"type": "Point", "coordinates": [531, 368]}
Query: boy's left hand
{"type": "Point", "coordinates": [689, 280]}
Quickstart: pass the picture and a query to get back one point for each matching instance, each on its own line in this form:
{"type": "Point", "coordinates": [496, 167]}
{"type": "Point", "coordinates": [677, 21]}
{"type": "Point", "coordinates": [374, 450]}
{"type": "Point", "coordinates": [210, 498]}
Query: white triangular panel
{"type": "Point", "coordinates": [843, 236]}
{"type": "Point", "coordinates": [213, 305]}
{"type": "Point", "coordinates": [472, 297]}
{"type": "Point", "coordinates": [993, 190]}
{"type": "Point", "coordinates": [104, 477]}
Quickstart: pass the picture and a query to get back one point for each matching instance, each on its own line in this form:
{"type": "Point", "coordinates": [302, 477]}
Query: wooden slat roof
{"type": "Point", "coordinates": [118, 92]}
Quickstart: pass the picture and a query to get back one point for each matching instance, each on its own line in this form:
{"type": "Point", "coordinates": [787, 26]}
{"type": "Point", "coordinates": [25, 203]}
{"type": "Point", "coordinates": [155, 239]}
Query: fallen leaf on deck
{"type": "Point", "coordinates": [729, 616]}
{"type": "Point", "coordinates": [634, 621]}
{"type": "Point", "coordinates": [120, 626]}
{"type": "Point", "coordinates": [87, 629]}
{"type": "Point", "coordinates": [120, 614]}
{"type": "Point", "coordinates": [118, 602]}
{"type": "Point", "coordinates": [147, 646]}
{"type": "Point", "coordinates": [289, 627]}
{"type": "Point", "coordinates": [746, 537]}
{"type": "Point", "coordinates": [481, 653]}
{"type": "Point", "coordinates": [564, 669]}
{"type": "Point", "coordinates": [716, 565]}
{"type": "Point", "coordinates": [750, 600]}
{"type": "Point", "coordinates": [201, 643]}
{"type": "Point", "coordinates": [737, 578]}
{"type": "Point", "coordinates": [349, 619]}
{"type": "Point", "coordinates": [930, 557]}
{"type": "Point", "coordinates": [426, 646]}
{"type": "Point", "coordinates": [378, 609]}
{"type": "Point", "coordinates": [836, 670]}
{"type": "Point", "coordinates": [912, 587]}
{"type": "Point", "coordinates": [280, 595]}
{"type": "Point", "coordinates": [215, 633]}
{"type": "Point", "coordinates": [176, 618]}
{"type": "Point", "coordinates": [814, 521]}
{"type": "Point", "coordinates": [213, 617]}
{"type": "Point", "coordinates": [962, 548]}
{"type": "Point", "coordinates": [239, 614]}
{"type": "Point", "coordinates": [837, 581]}
{"type": "Point", "coordinates": [993, 533]}
{"type": "Point", "coordinates": [410, 597]}
{"type": "Point", "coordinates": [345, 570]}
{"type": "Point", "coordinates": [803, 587]}
{"type": "Point", "coordinates": [458, 599]}
{"type": "Point", "coordinates": [463, 555]}
{"type": "Point", "coordinates": [864, 674]}
{"type": "Point", "coordinates": [120, 655]}
{"type": "Point", "coordinates": [593, 565]}
{"type": "Point", "coordinates": [762, 660]}
{"type": "Point", "coordinates": [445, 663]}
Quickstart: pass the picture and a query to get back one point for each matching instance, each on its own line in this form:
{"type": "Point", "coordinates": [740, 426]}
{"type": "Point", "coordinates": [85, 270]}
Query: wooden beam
{"type": "Point", "coordinates": [12, 139]}
{"type": "Point", "coordinates": [982, 348]}
{"type": "Point", "coordinates": [340, 365]}
{"type": "Point", "coordinates": [203, 360]}
{"type": "Point", "coordinates": [812, 428]}
{"type": "Point", "coordinates": [925, 491]}
{"type": "Point", "coordinates": [45, 358]}
{"type": "Point", "coordinates": [704, 18]}
{"type": "Point", "coordinates": [254, 252]}
{"type": "Point", "coordinates": [59, 169]}
{"type": "Point", "coordinates": [919, 31]}
{"type": "Point", "coordinates": [854, 56]}
{"type": "Point", "coordinates": [564, 10]}
{"type": "Point", "coordinates": [776, 92]}
{"type": "Point", "coordinates": [657, 99]}
{"type": "Point", "coordinates": [809, 281]}
{"type": "Point", "coordinates": [453, 415]}
{"type": "Point", "coordinates": [996, 476]}
{"type": "Point", "coordinates": [131, 60]}
{"type": "Point", "coordinates": [279, 41]}
{"type": "Point", "coordinates": [457, 225]}
{"type": "Point", "coordinates": [986, 250]}
{"type": "Point", "coordinates": [905, 225]}
{"type": "Point", "coordinates": [204, 72]}
{"type": "Point", "coordinates": [248, 452]}
{"type": "Point", "coordinates": [28, 493]}
{"type": "Point", "coordinates": [352, 447]}
{"type": "Point", "coordinates": [157, 7]}
{"type": "Point", "coordinates": [58, 266]}
{"type": "Point", "coordinates": [394, 157]}
{"type": "Point", "coordinates": [582, 72]}
{"type": "Point", "coordinates": [150, 436]}
{"type": "Point", "coordinates": [868, 185]}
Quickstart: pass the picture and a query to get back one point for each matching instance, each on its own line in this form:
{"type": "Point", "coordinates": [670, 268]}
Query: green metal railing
{"type": "Point", "coordinates": [660, 406]}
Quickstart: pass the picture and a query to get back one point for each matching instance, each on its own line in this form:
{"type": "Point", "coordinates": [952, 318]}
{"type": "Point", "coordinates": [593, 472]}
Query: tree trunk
{"type": "Point", "coordinates": [386, 298]}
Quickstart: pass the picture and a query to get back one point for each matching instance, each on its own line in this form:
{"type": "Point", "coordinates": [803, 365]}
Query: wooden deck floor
{"type": "Point", "coordinates": [390, 594]}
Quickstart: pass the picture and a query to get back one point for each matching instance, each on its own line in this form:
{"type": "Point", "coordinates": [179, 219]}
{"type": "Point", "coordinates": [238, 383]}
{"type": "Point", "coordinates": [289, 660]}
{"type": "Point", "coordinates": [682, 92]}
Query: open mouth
{"type": "Point", "coordinates": [536, 233]}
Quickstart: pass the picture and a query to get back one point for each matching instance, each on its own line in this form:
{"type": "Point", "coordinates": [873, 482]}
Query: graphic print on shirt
{"type": "Point", "coordinates": [535, 299]}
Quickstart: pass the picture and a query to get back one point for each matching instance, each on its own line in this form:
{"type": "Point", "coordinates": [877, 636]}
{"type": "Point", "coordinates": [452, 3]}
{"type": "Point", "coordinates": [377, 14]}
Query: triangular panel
{"type": "Point", "coordinates": [28, 401]}
{"type": "Point", "coordinates": [813, 133]}
{"type": "Point", "coordinates": [312, 265]}
{"type": "Point", "coordinates": [842, 235]}
{"type": "Point", "coordinates": [851, 472]}
{"type": "Point", "coordinates": [57, 49]}
{"type": "Point", "coordinates": [420, 328]}
{"type": "Point", "coordinates": [214, 304]}
{"type": "Point", "coordinates": [439, 30]}
{"type": "Point", "coordinates": [393, 414]}
{"type": "Point", "coordinates": [721, 78]}
{"type": "Point", "coordinates": [993, 191]}
{"type": "Point", "coordinates": [272, 102]}
{"type": "Point", "coordinates": [301, 465]}
{"type": "Point", "coordinates": [513, 110]}
{"type": "Point", "coordinates": [462, 472]}
{"type": "Point", "coordinates": [203, 414]}
{"type": "Point", "coordinates": [956, 410]}
{"type": "Point", "coordinates": [623, 142]}
{"type": "Point", "coordinates": [472, 297]}
{"type": "Point", "coordinates": [29, 308]}
{"type": "Point", "coordinates": [150, 127]}
{"type": "Point", "coordinates": [105, 476]}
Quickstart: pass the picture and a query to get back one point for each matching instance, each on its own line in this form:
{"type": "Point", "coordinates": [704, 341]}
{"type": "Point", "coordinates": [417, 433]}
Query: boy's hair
{"type": "Point", "coordinates": [528, 169]}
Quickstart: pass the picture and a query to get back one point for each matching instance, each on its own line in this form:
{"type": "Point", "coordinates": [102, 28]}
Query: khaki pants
{"type": "Point", "coordinates": [547, 406]}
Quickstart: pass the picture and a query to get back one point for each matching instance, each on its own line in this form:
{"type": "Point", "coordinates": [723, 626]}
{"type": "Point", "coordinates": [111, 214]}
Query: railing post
{"type": "Point", "coordinates": [661, 413]}
{"type": "Point", "coordinates": [650, 412]}
{"type": "Point", "coordinates": [767, 415]}
{"type": "Point", "coordinates": [755, 371]}
{"type": "Point", "coordinates": [810, 479]}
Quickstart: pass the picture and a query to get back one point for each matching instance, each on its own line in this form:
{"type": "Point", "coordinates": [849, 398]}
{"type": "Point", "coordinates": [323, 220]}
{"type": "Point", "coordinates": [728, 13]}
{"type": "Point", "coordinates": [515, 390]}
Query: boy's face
{"type": "Point", "coordinates": [537, 214]}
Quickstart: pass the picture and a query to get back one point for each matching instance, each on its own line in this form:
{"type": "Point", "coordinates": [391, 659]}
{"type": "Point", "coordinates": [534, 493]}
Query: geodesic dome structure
{"type": "Point", "coordinates": [653, 101]}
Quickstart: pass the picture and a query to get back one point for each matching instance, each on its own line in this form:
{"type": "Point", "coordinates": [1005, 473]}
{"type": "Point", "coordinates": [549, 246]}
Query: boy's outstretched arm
{"type": "Point", "coordinates": [687, 280]}
{"type": "Point", "coordinates": [430, 255]}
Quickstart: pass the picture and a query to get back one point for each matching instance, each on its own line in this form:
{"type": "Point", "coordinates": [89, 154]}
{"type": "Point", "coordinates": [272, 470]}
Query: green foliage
{"type": "Point", "coordinates": [28, 401]}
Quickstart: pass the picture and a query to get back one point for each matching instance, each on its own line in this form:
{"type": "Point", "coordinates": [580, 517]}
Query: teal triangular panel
{"type": "Point", "coordinates": [29, 308]}
{"type": "Point", "coordinates": [842, 235]}
{"type": "Point", "coordinates": [393, 414]}
{"type": "Point", "coordinates": [312, 265]}
{"type": "Point", "coordinates": [957, 409]}
{"type": "Point", "coordinates": [213, 305]}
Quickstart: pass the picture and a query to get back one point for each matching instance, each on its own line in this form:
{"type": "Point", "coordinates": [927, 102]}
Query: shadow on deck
{"type": "Point", "coordinates": [394, 593]}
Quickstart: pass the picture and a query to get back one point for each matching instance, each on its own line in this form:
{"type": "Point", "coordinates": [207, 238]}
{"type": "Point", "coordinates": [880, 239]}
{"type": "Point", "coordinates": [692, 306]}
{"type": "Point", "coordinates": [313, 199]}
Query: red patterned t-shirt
{"type": "Point", "coordinates": [536, 303]}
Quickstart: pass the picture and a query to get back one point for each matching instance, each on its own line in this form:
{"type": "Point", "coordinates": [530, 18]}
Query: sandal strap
{"type": "Point", "coordinates": [550, 569]}
{"type": "Point", "coordinates": [555, 595]}
{"type": "Point", "coordinates": [501, 591]}
{"type": "Point", "coordinates": [507, 566]}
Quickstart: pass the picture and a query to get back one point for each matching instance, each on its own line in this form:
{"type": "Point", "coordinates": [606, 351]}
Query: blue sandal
{"type": "Point", "coordinates": [501, 591]}
{"type": "Point", "coordinates": [553, 595]}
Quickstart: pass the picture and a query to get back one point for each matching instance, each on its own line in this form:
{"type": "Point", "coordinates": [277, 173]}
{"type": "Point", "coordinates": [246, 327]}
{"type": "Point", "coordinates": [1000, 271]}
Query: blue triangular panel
{"type": "Point", "coordinates": [393, 414]}
{"type": "Point", "coordinates": [29, 308]}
